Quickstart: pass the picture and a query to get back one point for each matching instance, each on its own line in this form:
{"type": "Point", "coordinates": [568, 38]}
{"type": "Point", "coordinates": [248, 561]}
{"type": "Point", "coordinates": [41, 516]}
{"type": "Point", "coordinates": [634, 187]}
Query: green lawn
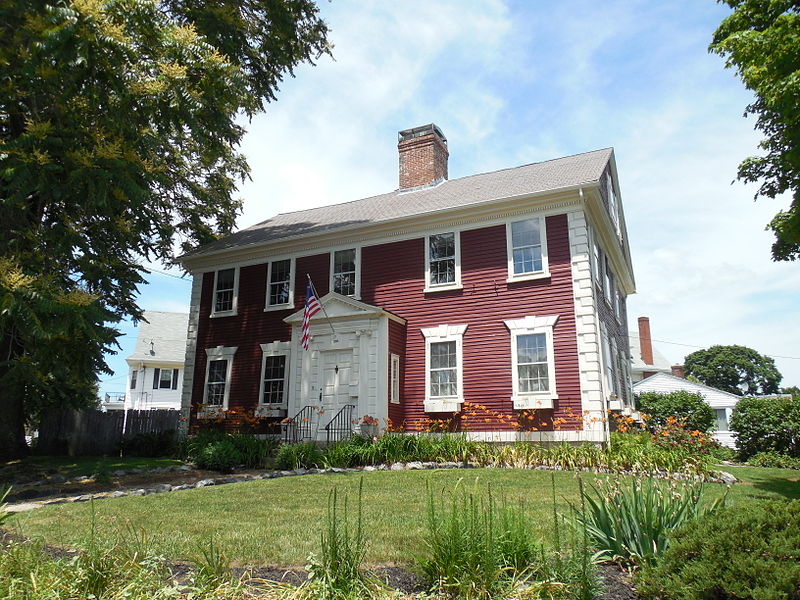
{"type": "Point", "coordinates": [278, 521]}
{"type": "Point", "coordinates": [39, 467]}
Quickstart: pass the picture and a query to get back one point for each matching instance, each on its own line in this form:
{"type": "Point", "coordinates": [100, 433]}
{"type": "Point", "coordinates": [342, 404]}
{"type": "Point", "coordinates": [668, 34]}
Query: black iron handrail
{"type": "Point", "coordinates": [299, 428]}
{"type": "Point", "coordinates": [340, 426]}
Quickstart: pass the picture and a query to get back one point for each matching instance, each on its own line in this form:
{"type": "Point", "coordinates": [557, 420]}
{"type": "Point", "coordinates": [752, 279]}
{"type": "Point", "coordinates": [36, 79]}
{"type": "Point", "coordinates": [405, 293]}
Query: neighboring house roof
{"type": "Point", "coordinates": [551, 175]}
{"type": "Point", "coordinates": [664, 383]}
{"type": "Point", "coordinates": [660, 363]}
{"type": "Point", "coordinates": [167, 332]}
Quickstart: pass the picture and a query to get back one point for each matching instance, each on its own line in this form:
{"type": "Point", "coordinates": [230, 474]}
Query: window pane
{"type": "Point", "coordinates": [442, 258]}
{"type": "Point", "coordinates": [344, 261]}
{"type": "Point", "coordinates": [525, 233]}
{"type": "Point", "coordinates": [224, 293]}
{"type": "Point", "coordinates": [443, 246]}
{"type": "Point", "coordinates": [443, 271]}
{"type": "Point", "coordinates": [165, 379]}
{"type": "Point", "coordinates": [722, 419]}
{"type": "Point", "coordinates": [344, 283]}
{"type": "Point", "coordinates": [443, 383]}
{"type": "Point", "coordinates": [533, 378]}
{"type": "Point", "coordinates": [279, 276]}
{"type": "Point", "coordinates": [532, 348]}
{"type": "Point", "coordinates": [443, 355]}
{"type": "Point", "coordinates": [217, 373]}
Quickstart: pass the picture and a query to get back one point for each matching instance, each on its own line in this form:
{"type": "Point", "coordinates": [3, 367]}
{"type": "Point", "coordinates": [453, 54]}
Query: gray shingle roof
{"type": "Point", "coordinates": [545, 176]}
{"type": "Point", "coordinates": [167, 331]}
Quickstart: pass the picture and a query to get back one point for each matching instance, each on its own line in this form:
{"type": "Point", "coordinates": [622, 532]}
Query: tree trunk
{"type": "Point", "coordinates": [12, 409]}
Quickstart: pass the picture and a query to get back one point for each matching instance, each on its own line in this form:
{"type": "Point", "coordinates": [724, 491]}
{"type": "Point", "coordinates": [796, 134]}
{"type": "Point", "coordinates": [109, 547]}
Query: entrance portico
{"type": "Point", "coordinates": [346, 364]}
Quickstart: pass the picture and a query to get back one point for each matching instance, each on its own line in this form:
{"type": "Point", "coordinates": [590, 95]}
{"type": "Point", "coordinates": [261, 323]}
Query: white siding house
{"type": "Point", "coordinates": [155, 369]}
{"type": "Point", "coordinates": [721, 402]}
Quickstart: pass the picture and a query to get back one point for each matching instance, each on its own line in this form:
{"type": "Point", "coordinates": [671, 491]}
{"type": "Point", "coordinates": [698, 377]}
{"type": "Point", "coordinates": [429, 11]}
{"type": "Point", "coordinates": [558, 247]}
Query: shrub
{"type": "Point", "coordinates": [774, 460]}
{"type": "Point", "coordinates": [221, 455]}
{"type": "Point", "coordinates": [746, 552]}
{"type": "Point", "coordinates": [672, 434]}
{"type": "Point", "coordinates": [767, 425]}
{"type": "Point", "coordinates": [295, 456]}
{"type": "Point", "coordinates": [631, 524]}
{"type": "Point", "coordinates": [690, 409]}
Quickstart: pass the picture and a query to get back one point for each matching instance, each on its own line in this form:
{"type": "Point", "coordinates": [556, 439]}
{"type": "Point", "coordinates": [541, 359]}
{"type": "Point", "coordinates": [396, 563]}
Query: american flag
{"type": "Point", "coordinates": [312, 308]}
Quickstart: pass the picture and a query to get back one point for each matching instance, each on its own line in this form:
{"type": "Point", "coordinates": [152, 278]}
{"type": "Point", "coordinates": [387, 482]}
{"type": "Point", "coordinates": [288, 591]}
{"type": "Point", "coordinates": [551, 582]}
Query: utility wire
{"type": "Point", "coordinates": [703, 347]}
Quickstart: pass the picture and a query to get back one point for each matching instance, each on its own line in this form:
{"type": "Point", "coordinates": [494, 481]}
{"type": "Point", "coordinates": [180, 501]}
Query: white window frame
{"type": "Point", "coordinates": [531, 325]}
{"type": "Point", "coordinates": [453, 285]}
{"type": "Point", "coordinates": [134, 378]}
{"type": "Point", "coordinates": [161, 379]}
{"type": "Point", "coordinates": [608, 282]}
{"type": "Point", "coordinates": [394, 379]}
{"type": "Point", "coordinates": [716, 419]}
{"type": "Point", "coordinates": [596, 257]}
{"type": "Point", "coordinates": [357, 294]}
{"type": "Point", "coordinates": [444, 333]}
{"type": "Point", "coordinates": [613, 204]}
{"type": "Point", "coordinates": [608, 364]}
{"type": "Point", "coordinates": [545, 272]}
{"type": "Point", "coordinates": [290, 303]}
{"type": "Point", "coordinates": [226, 313]}
{"type": "Point", "coordinates": [225, 353]}
{"type": "Point", "coordinates": [274, 349]}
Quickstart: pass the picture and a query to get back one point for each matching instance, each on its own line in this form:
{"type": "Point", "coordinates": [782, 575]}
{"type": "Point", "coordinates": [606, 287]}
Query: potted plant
{"type": "Point", "coordinates": [369, 426]}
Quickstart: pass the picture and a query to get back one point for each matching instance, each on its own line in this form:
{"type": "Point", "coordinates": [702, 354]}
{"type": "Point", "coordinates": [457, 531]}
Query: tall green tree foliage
{"type": "Point", "coordinates": [761, 41]}
{"type": "Point", "coordinates": [119, 128]}
{"type": "Point", "coordinates": [735, 369]}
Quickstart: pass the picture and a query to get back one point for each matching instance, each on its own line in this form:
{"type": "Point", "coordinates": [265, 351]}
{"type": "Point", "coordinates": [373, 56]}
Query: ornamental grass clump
{"type": "Point", "coordinates": [336, 573]}
{"type": "Point", "coordinates": [475, 546]}
{"type": "Point", "coordinates": [631, 523]}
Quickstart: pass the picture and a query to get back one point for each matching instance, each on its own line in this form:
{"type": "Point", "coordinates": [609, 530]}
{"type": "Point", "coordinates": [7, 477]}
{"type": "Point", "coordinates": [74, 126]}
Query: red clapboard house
{"type": "Point", "coordinates": [492, 304]}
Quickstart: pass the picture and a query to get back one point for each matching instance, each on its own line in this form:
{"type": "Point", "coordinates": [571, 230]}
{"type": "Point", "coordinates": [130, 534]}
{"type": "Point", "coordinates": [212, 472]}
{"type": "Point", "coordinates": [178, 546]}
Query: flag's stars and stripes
{"type": "Point", "coordinates": [312, 308]}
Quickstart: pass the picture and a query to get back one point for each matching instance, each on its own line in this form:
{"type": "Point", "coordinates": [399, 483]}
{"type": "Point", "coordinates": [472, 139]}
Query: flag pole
{"type": "Point", "coordinates": [325, 312]}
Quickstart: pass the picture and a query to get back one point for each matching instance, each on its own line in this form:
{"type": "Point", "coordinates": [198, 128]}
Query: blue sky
{"type": "Point", "coordinates": [512, 83]}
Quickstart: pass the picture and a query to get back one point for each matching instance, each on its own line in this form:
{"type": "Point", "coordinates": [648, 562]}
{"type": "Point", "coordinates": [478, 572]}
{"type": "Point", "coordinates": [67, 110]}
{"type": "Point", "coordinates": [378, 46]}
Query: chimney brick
{"type": "Point", "coordinates": [423, 156]}
{"type": "Point", "coordinates": [677, 371]}
{"type": "Point", "coordinates": [645, 342]}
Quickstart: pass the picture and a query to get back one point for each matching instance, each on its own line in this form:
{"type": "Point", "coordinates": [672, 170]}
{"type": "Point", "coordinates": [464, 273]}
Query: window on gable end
{"type": "Point", "coordinates": [345, 272]}
{"type": "Point", "coordinates": [280, 284]}
{"type": "Point", "coordinates": [225, 283]}
{"type": "Point", "coordinates": [613, 204]}
{"type": "Point", "coordinates": [527, 249]}
{"type": "Point", "coordinates": [443, 261]}
{"type": "Point", "coordinates": [533, 362]}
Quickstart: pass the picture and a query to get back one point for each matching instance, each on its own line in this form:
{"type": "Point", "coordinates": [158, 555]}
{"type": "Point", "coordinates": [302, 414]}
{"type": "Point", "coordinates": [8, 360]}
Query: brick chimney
{"type": "Point", "coordinates": [423, 156]}
{"type": "Point", "coordinates": [645, 342]}
{"type": "Point", "coordinates": [677, 371]}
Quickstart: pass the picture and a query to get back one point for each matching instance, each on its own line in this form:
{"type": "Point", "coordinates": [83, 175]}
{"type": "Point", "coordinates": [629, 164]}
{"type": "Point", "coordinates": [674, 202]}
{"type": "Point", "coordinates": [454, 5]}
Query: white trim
{"type": "Point", "coordinates": [332, 253]}
{"type": "Point", "coordinates": [545, 270]}
{"type": "Point", "coordinates": [219, 353]}
{"type": "Point", "coordinates": [225, 313]}
{"type": "Point", "coordinates": [394, 380]}
{"type": "Point", "coordinates": [275, 348]}
{"type": "Point", "coordinates": [452, 285]}
{"type": "Point", "coordinates": [286, 305]}
{"type": "Point", "coordinates": [417, 229]}
{"type": "Point", "coordinates": [438, 334]}
{"type": "Point", "coordinates": [533, 325]}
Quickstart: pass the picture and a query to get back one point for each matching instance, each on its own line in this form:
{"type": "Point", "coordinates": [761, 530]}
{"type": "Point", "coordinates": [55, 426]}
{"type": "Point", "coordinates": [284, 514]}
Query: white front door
{"type": "Point", "coordinates": [336, 379]}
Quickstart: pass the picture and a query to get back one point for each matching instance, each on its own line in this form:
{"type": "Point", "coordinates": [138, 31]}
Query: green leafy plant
{"type": "Point", "coordinates": [213, 566]}
{"type": "Point", "coordinates": [161, 443]}
{"type": "Point", "coordinates": [295, 456]}
{"type": "Point", "coordinates": [220, 456]}
{"type": "Point", "coordinates": [691, 410]}
{"type": "Point", "coordinates": [336, 574]}
{"type": "Point", "coordinates": [475, 547]}
{"type": "Point", "coordinates": [630, 523]}
{"type": "Point", "coordinates": [767, 425]}
{"type": "Point", "coordinates": [775, 460]}
{"type": "Point", "coordinates": [4, 514]}
{"type": "Point", "coordinates": [747, 552]}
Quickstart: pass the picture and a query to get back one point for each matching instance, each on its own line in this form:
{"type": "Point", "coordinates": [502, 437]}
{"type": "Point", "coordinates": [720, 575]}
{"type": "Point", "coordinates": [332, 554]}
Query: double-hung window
{"type": "Point", "coordinates": [533, 361]}
{"type": "Point", "coordinates": [394, 380]}
{"type": "Point", "coordinates": [134, 377]}
{"type": "Point", "coordinates": [527, 249]}
{"type": "Point", "coordinates": [219, 366]}
{"type": "Point", "coordinates": [225, 283]}
{"type": "Point", "coordinates": [280, 284]}
{"type": "Point", "coordinates": [274, 375]}
{"type": "Point", "coordinates": [165, 379]}
{"type": "Point", "coordinates": [721, 419]}
{"type": "Point", "coordinates": [444, 377]}
{"type": "Point", "coordinates": [345, 277]}
{"type": "Point", "coordinates": [613, 205]}
{"type": "Point", "coordinates": [443, 261]}
{"type": "Point", "coordinates": [608, 284]}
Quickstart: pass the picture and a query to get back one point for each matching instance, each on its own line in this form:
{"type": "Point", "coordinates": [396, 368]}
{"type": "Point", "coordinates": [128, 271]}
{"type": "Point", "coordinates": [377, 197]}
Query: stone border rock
{"type": "Point", "coordinates": [718, 477]}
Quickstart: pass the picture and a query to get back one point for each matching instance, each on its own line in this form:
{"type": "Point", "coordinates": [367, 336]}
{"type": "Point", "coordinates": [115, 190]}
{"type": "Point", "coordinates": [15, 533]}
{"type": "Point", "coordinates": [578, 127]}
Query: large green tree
{"type": "Point", "coordinates": [735, 369]}
{"type": "Point", "coordinates": [120, 122]}
{"type": "Point", "coordinates": [761, 40]}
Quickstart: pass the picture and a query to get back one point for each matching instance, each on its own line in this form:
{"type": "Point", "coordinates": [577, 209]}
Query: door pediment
{"type": "Point", "coordinates": [342, 307]}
